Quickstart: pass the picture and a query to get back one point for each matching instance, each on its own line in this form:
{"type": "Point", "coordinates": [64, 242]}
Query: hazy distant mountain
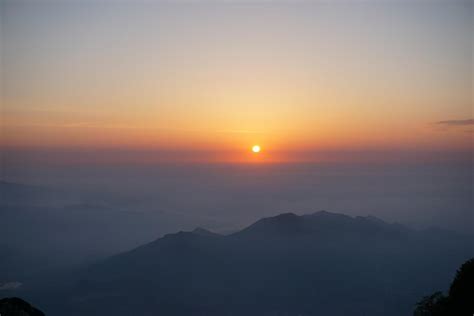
{"type": "Point", "coordinates": [318, 264]}
{"type": "Point", "coordinates": [32, 195]}
{"type": "Point", "coordinates": [45, 227]}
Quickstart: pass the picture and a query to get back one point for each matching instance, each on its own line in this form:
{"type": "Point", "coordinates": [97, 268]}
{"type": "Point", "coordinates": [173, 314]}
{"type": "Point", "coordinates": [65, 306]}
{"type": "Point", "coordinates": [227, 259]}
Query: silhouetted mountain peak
{"type": "Point", "coordinates": [337, 218]}
{"type": "Point", "coordinates": [321, 222]}
{"type": "Point", "coordinates": [182, 238]}
{"type": "Point", "coordinates": [280, 225]}
{"type": "Point", "coordinates": [329, 215]}
{"type": "Point", "coordinates": [283, 217]}
{"type": "Point", "coordinates": [372, 219]}
{"type": "Point", "coordinates": [322, 213]}
{"type": "Point", "coordinates": [178, 235]}
{"type": "Point", "coordinates": [203, 232]}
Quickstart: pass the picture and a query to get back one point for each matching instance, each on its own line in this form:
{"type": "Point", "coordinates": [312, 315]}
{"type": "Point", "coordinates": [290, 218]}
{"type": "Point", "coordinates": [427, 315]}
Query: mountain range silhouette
{"type": "Point", "coordinates": [317, 264]}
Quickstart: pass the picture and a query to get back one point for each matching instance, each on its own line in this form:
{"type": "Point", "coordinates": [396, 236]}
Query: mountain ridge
{"type": "Point", "coordinates": [280, 265]}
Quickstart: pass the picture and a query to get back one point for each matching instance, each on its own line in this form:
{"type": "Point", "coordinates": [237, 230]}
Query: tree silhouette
{"type": "Point", "coordinates": [432, 305]}
{"type": "Point", "coordinates": [460, 299]}
{"type": "Point", "coordinates": [461, 292]}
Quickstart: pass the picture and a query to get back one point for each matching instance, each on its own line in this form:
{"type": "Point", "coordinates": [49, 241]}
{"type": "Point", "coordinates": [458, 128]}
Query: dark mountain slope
{"type": "Point", "coordinates": [318, 264]}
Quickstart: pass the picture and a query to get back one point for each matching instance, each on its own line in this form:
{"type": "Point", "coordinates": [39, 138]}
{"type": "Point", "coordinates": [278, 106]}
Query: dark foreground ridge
{"type": "Point", "coordinates": [317, 264]}
{"type": "Point", "coordinates": [14, 306]}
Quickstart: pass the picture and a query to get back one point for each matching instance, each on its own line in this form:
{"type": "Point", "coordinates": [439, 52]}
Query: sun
{"type": "Point", "coordinates": [256, 149]}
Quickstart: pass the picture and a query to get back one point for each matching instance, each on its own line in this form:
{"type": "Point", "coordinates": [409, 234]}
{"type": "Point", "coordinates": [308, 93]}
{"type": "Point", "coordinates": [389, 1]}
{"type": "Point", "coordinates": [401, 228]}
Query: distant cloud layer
{"type": "Point", "coordinates": [453, 123]}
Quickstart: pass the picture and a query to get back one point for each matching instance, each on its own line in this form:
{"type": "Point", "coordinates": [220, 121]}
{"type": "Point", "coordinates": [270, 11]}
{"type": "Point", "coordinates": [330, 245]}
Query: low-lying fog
{"type": "Point", "coordinates": [75, 214]}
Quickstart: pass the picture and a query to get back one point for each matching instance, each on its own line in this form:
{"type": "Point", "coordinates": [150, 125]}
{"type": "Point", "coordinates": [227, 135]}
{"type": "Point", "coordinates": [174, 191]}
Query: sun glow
{"type": "Point", "coordinates": [256, 149]}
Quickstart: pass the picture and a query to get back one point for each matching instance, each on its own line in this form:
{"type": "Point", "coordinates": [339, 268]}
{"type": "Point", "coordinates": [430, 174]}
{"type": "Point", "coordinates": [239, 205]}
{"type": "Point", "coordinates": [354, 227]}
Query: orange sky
{"type": "Point", "coordinates": [218, 78]}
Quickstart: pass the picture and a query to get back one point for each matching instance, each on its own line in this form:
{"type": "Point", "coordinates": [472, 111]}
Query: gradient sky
{"type": "Point", "coordinates": [220, 76]}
